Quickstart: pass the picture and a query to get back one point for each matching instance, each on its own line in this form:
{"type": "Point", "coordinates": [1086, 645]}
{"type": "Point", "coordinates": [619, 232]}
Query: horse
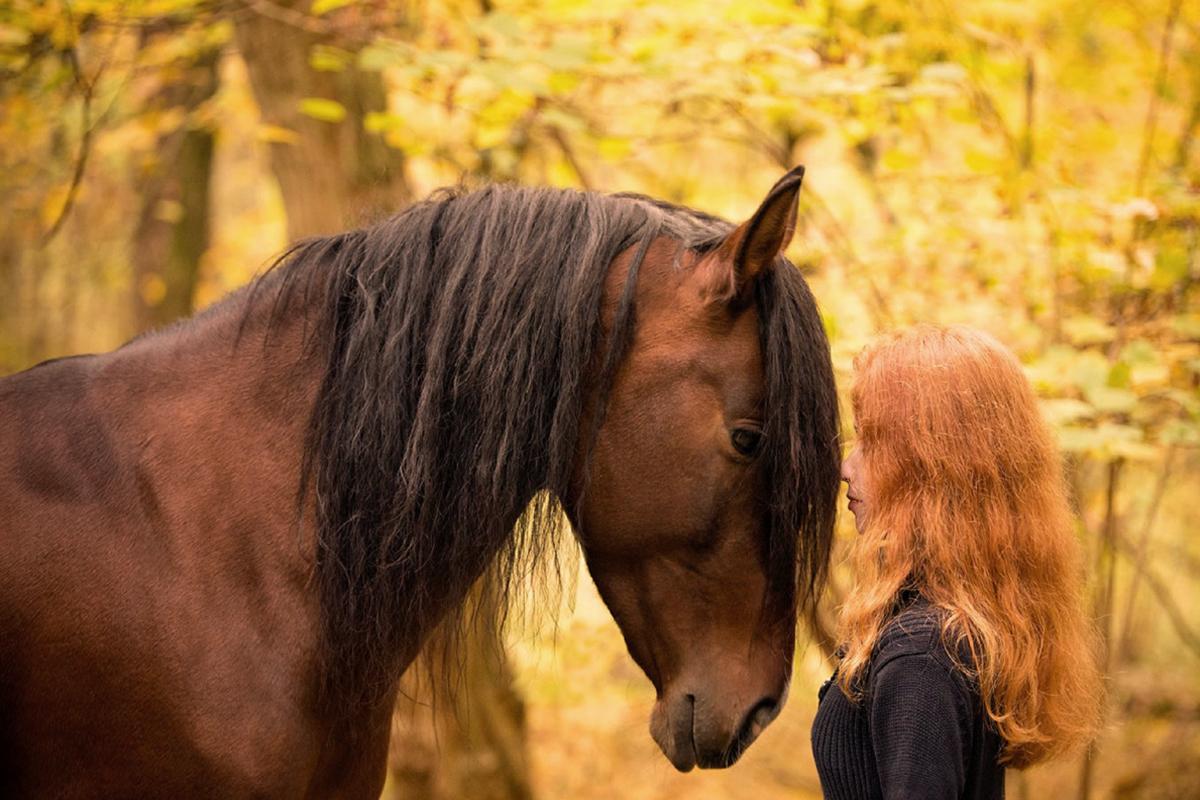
{"type": "Point", "coordinates": [222, 543]}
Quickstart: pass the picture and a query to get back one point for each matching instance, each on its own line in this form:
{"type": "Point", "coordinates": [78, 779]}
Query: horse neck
{"type": "Point", "coordinates": [235, 390]}
{"type": "Point", "coordinates": [218, 406]}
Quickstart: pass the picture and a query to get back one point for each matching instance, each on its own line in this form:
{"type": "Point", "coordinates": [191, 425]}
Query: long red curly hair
{"type": "Point", "coordinates": [969, 507]}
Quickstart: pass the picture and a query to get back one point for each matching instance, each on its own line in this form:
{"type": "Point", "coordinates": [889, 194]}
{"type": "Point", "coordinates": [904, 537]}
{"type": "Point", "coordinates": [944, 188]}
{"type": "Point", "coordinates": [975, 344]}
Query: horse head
{"type": "Point", "coordinates": [693, 543]}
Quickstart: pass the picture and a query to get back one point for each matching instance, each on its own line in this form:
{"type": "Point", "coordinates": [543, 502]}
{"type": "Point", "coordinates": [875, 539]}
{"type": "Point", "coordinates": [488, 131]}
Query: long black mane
{"type": "Point", "coordinates": [464, 338]}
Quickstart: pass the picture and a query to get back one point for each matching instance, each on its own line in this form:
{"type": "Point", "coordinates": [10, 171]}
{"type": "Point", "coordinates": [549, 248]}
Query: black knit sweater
{"type": "Point", "coordinates": [920, 731]}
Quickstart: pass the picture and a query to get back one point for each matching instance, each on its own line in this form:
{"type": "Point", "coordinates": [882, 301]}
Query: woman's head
{"type": "Point", "coordinates": [948, 411]}
{"type": "Point", "coordinates": [958, 492]}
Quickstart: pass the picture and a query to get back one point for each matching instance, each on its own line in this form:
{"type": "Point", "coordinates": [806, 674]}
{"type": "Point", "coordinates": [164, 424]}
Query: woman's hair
{"type": "Point", "coordinates": [969, 507]}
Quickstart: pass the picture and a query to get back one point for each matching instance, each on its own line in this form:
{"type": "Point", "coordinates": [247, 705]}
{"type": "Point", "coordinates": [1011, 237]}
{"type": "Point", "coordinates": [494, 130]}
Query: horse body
{"type": "Point", "coordinates": [166, 612]}
{"type": "Point", "coordinates": [157, 620]}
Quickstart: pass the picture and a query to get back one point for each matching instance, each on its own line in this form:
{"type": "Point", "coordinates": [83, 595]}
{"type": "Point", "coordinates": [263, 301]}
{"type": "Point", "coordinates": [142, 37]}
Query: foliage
{"type": "Point", "coordinates": [1025, 167]}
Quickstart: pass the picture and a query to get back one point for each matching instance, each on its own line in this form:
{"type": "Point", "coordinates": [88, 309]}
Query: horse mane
{"type": "Point", "coordinates": [462, 337]}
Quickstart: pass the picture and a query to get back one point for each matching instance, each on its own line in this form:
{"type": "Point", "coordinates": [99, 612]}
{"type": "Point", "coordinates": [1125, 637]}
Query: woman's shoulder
{"type": "Point", "coordinates": [917, 629]}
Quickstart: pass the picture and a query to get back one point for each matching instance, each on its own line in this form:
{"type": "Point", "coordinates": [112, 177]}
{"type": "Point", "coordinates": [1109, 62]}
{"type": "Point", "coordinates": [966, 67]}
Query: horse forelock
{"type": "Point", "coordinates": [459, 336]}
{"type": "Point", "coordinates": [801, 457]}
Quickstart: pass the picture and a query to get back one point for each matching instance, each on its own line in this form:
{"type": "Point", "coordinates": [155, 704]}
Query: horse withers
{"type": "Point", "coordinates": [222, 543]}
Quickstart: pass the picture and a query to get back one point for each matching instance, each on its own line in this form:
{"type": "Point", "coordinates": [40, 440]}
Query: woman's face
{"type": "Point", "coordinates": [856, 488]}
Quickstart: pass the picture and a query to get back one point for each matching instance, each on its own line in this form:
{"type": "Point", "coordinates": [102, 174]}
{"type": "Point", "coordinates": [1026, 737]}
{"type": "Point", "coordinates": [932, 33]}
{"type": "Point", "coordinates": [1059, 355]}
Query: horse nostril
{"type": "Point", "coordinates": [756, 719]}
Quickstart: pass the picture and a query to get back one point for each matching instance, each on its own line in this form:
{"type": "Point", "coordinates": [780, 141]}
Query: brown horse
{"type": "Point", "coordinates": [222, 543]}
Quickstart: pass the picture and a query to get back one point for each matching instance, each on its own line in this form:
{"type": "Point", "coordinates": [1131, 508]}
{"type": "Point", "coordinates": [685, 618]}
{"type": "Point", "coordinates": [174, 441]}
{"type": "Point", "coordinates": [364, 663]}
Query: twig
{"type": "Point", "coordinates": [777, 152]}
{"type": "Point", "coordinates": [560, 139]}
{"type": "Point", "coordinates": [1102, 605]}
{"type": "Point", "coordinates": [1183, 148]}
{"type": "Point", "coordinates": [882, 311]}
{"type": "Point", "coordinates": [1160, 79]}
{"type": "Point", "coordinates": [1182, 557]}
{"type": "Point", "coordinates": [1174, 613]}
{"type": "Point", "coordinates": [990, 111]}
{"type": "Point", "coordinates": [1107, 556]}
{"type": "Point", "coordinates": [289, 16]}
{"type": "Point", "coordinates": [1142, 547]}
{"type": "Point", "coordinates": [85, 145]}
{"type": "Point", "coordinates": [1030, 90]}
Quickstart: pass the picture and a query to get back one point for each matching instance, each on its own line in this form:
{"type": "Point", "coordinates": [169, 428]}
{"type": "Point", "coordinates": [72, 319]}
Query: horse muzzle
{"type": "Point", "coordinates": [692, 731]}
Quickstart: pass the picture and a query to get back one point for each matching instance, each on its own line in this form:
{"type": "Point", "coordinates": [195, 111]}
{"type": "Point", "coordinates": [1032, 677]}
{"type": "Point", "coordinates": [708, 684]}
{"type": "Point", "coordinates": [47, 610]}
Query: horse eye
{"type": "Point", "coordinates": [747, 441]}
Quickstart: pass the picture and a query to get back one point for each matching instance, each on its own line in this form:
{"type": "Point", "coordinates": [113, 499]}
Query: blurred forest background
{"type": "Point", "coordinates": [1027, 167]}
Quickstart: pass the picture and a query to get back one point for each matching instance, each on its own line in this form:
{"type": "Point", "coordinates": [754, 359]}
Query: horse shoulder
{"type": "Point", "coordinates": [146, 632]}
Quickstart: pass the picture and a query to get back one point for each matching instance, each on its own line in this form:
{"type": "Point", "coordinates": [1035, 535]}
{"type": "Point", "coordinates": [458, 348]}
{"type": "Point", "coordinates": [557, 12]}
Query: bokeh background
{"type": "Point", "coordinates": [1026, 167]}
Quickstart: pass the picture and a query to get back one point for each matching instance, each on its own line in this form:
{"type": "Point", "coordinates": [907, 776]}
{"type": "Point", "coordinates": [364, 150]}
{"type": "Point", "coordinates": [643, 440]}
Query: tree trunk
{"type": "Point", "coordinates": [334, 175]}
{"type": "Point", "coordinates": [470, 741]}
{"type": "Point", "coordinates": [172, 231]}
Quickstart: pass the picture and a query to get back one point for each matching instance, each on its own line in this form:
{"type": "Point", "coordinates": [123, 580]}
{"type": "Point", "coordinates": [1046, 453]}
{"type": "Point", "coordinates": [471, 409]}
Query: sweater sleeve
{"type": "Point", "coordinates": [918, 711]}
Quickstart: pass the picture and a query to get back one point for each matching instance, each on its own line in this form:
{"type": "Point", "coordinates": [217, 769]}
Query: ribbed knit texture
{"type": "Point", "coordinates": [919, 733]}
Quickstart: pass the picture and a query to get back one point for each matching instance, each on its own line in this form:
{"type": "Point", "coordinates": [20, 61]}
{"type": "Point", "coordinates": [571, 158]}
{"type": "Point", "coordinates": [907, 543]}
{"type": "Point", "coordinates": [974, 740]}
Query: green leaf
{"type": "Point", "coordinates": [329, 59]}
{"type": "Point", "coordinates": [1187, 325]}
{"type": "Point", "coordinates": [499, 23]}
{"type": "Point", "coordinates": [1088, 370]}
{"type": "Point", "coordinates": [564, 121]}
{"type": "Point", "coordinates": [1072, 439]}
{"type": "Point", "coordinates": [1084, 330]}
{"type": "Point", "coordinates": [568, 54]}
{"type": "Point", "coordinates": [1123, 440]}
{"type": "Point", "coordinates": [323, 109]}
{"type": "Point", "coordinates": [1106, 399]}
{"type": "Point", "coordinates": [1107, 441]}
{"type": "Point", "coordinates": [375, 57]}
{"type": "Point", "coordinates": [1181, 432]}
{"type": "Point", "coordinates": [1119, 375]}
{"type": "Point", "coordinates": [1139, 351]}
{"type": "Point", "coordinates": [945, 72]}
{"type": "Point", "coordinates": [1142, 375]}
{"type": "Point", "coordinates": [1134, 451]}
{"type": "Point", "coordinates": [1062, 410]}
{"type": "Point", "coordinates": [1171, 265]}
{"type": "Point", "coordinates": [1189, 401]}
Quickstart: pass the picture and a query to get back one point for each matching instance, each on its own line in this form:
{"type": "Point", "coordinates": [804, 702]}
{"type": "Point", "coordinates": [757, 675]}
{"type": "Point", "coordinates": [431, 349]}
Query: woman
{"type": "Point", "coordinates": [964, 644]}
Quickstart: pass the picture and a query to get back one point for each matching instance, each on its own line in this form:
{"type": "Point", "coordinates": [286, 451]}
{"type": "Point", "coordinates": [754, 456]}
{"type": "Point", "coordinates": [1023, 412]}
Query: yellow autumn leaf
{"type": "Point", "coordinates": [323, 108]}
{"type": "Point", "coordinates": [277, 134]}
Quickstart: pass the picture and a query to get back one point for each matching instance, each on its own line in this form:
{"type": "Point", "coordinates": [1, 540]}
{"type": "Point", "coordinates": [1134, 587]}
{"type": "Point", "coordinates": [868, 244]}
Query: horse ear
{"type": "Point", "coordinates": [755, 244]}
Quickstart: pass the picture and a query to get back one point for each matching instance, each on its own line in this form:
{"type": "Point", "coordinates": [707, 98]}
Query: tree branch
{"type": "Point", "coordinates": [560, 139]}
{"type": "Point", "coordinates": [1141, 548]}
{"type": "Point", "coordinates": [881, 310]}
{"type": "Point", "coordinates": [1160, 79]}
{"type": "Point", "coordinates": [1174, 613]}
{"type": "Point", "coordinates": [85, 145]}
{"type": "Point", "coordinates": [289, 16]}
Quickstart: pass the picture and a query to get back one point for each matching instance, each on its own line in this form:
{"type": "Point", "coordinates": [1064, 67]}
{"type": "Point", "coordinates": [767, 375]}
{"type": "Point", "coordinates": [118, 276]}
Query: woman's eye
{"type": "Point", "coordinates": [747, 441]}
